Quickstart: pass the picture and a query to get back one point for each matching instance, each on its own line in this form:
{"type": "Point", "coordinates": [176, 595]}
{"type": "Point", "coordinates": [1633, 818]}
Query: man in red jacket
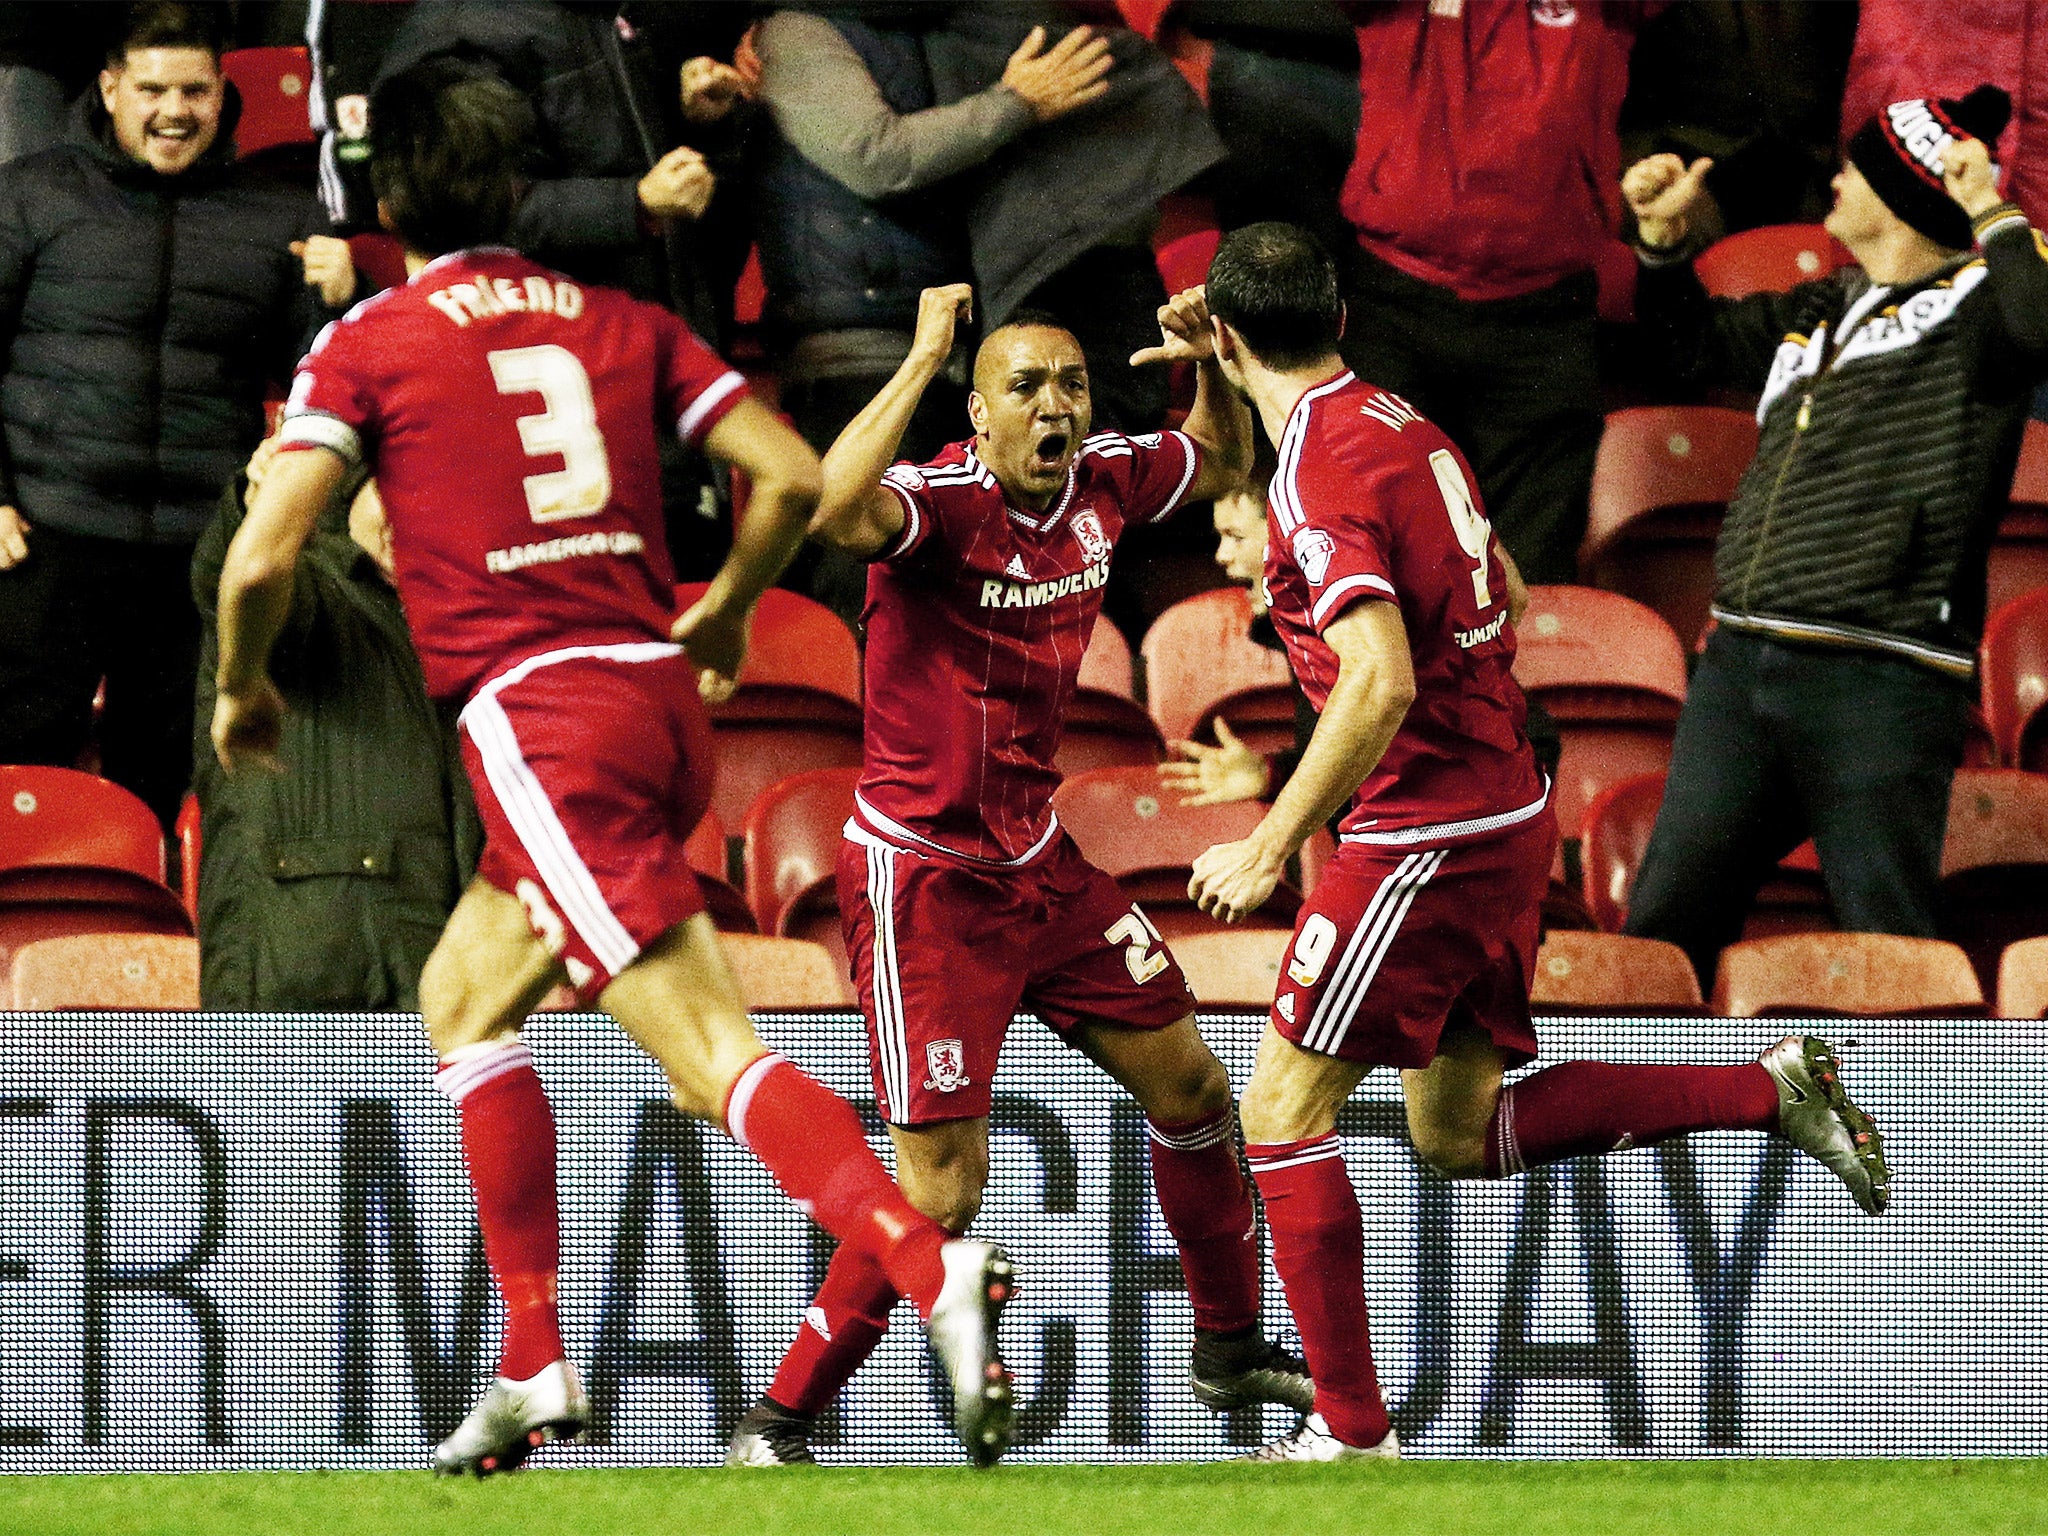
{"type": "Point", "coordinates": [1482, 196]}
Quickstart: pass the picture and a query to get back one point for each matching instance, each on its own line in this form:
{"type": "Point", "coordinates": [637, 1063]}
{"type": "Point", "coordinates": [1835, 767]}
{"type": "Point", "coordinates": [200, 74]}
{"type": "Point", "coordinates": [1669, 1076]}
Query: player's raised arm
{"type": "Point", "coordinates": [255, 597]}
{"type": "Point", "coordinates": [1220, 420]}
{"type": "Point", "coordinates": [1375, 685]}
{"type": "Point", "coordinates": [856, 514]}
{"type": "Point", "coordinates": [783, 474]}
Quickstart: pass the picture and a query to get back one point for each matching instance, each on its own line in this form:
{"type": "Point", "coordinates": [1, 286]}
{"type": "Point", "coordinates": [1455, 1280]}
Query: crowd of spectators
{"type": "Point", "coordinates": [1464, 159]}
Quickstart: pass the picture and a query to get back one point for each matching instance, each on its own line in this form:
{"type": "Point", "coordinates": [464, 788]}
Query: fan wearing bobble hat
{"type": "Point", "coordinates": [1833, 698]}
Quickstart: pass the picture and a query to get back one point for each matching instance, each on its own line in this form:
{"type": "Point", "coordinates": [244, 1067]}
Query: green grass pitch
{"type": "Point", "coordinates": [1848, 1498]}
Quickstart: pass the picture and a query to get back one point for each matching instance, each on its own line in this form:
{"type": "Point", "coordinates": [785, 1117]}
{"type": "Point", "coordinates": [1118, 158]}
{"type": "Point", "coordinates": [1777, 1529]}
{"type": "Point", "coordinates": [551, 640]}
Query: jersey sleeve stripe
{"type": "Point", "coordinates": [1187, 478]}
{"type": "Point", "coordinates": [316, 429]}
{"type": "Point", "coordinates": [698, 419]}
{"type": "Point", "coordinates": [1329, 602]}
{"type": "Point", "coordinates": [913, 524]}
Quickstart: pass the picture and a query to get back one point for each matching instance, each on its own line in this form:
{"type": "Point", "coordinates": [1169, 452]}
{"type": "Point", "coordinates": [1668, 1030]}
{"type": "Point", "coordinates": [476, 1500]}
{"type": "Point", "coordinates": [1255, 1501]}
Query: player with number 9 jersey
{"type": "Point", "coordinates": [520, 472]}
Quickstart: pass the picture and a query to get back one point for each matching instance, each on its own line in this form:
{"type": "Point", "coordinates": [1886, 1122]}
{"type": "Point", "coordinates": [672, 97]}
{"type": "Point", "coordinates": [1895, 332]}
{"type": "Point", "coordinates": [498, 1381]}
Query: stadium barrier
{"type": "Point", "coordinates": [244, 1242]}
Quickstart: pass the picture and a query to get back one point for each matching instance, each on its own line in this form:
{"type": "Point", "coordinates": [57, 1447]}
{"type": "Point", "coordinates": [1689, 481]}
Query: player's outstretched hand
{"type": "Point", "coordinates": [1054, 81]}
{"type": "Point", "coordinates": [940, 311]}
{"type": "Point", "coordinates": [1221, 775]}
{"type": "Point", "coordinates": [329, 267]}
{"type": "Point", "coordinates": [1966, 172]}
{"type": "Point", "coordinates": [716, 640]}
{"type": "Point", "coordinates": [1232, 880]}
{"type": "Point", "coordinates": [249, 727]}
{"type": "Point", "coordinates": [1184, 332]}
{"type": "Point", "coordinates": [1664, 194]}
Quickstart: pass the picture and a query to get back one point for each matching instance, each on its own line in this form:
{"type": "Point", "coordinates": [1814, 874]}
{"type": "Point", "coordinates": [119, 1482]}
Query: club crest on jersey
{"type": "Point", "coordinates": [947, 1060]}
{"type": "Point", "coordinates": [1312, 551]}
{"type": "Point", "coordinates": [1088, 534]}
{"type": "Point", "coordinates": [1554, 13]}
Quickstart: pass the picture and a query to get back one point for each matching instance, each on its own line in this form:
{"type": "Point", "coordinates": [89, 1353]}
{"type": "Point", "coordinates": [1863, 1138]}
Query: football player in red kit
{"type": "Point", "coordinates": [962, 897]}
{"type": "Point", "coordinates": [1414, 951]}
{"type": "Point", "coordinates": [510, 415]}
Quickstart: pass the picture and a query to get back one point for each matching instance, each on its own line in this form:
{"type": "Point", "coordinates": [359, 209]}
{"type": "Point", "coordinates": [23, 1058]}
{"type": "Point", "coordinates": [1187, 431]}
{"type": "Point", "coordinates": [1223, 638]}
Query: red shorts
{"type": "Point", "coordinates": [944, 954]}
{"type": "Point", "coordinates": [591, 766]}
{"type": "Point", "coordinates": [1393, 943]}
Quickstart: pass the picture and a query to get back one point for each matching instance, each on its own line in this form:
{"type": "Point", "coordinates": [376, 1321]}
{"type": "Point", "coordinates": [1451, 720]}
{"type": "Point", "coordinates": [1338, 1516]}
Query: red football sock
{"type": "Point", "coordinates": [810, 1140]}
{"type": "Point", "coordinates": [841, 1328]}
{"type": "Point", "coordinates": [508, 1140]}
{"type": "Point", "coordinates": [1319, 1249]}
{"type": "Point", "coordinates": [1581, 1107]}
{"type": "Point", "coordinates": [1208, 1208]}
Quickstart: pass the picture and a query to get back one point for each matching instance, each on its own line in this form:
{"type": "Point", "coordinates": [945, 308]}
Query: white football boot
{"type": "Point", "coordinates": [1816, 1116]}
{"type": "Point", "coordinates": [513, 1419]}
{"type": "Point", "coordinates": [962, 1334]}
{"type": "Point", "coordinates": [1314, 1442]}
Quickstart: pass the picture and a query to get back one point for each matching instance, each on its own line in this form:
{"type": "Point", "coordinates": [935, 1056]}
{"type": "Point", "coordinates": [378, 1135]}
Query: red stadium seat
{"type": "Point", "coordinates": [2023, 980]}
{"type": "Point", "coordinates": [798, 703]}
{"type": "Point", "coordinates": [1106, 727]}
{"type": "Point", "coordinates": [1661, 482]}
{"type": "Point", "coordinates": [1608, 972]}
{"type": "Point", "coordinates": [79, 855]}
{"type": "Point", "coordinates": [379, 258]}
{"type": "Point", "coordinates": [1613, 675]}
{"type": "Point", "coordinates": [1184, 263]}
{"type": "Point", "coordinates": [107, 970]}
{"type": "Point", "coordinates": [2019, 554]}
{"type": "Point", "coordinates": [706, 851]}
{"type": "Point", "coordinates": [188, 856]}
{"type": "Point", "coordinates": [786, 973]}
{"type": "Point", "coordinates": [1772, 259]}
{"type": "Point", "coordinates": [1845, 973]}
{"type": "Point", "coordinates": [791, 856]}
{"type": "Point", "coordinates": [1233, 968]}
{"type": "Point", "coordinates": [2013, 664]}
{"type": "Point", "coordinates": [1126, 824]}
{"type": "Point", "coordinates": [1994, 863]}
{"type": "Point", "coordinates": [1200, 660]}
{"type": "Point", "coordinates": [272, 83]}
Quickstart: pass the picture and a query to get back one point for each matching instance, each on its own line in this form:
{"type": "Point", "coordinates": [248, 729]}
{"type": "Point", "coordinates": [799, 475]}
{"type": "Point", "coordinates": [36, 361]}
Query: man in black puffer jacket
{"type": "Point", "coordinates": [148, 289]}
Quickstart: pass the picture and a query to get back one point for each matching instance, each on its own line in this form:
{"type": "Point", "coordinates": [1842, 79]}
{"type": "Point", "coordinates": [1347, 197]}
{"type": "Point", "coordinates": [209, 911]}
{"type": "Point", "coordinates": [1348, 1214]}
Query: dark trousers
{"type": "Point", "coordinates": [1777, 744]}
{"type": "Point", "coordinates": [1514, 382]}
{"type": "Point", "coordinates": [78, 610]}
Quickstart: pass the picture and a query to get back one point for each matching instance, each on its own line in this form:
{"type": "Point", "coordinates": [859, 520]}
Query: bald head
{"type": "Point", "coordinates": [1019, 339]}
{"type": "Point", "coordinates": [1030, 406]}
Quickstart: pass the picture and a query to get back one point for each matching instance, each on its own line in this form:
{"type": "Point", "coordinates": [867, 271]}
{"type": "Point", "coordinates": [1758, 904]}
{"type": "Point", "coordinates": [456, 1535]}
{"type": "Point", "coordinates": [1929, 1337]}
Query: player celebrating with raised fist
{"type": "Point", "coordinates": [1414, 951]}
{"type": "Point", "coordinates": [510, 415]}
{"type": "Point", "coordinates": [962, 897]}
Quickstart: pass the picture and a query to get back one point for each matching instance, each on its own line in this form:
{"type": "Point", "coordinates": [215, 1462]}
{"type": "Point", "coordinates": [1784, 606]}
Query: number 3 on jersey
{"type": "Point", "coordinates": [567, 425]}
{"type": "Point", "coordinates": [1475, 533]}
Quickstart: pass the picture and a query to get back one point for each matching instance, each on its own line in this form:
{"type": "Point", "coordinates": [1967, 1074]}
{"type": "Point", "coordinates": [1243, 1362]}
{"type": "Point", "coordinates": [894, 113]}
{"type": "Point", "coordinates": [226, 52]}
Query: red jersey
{"type": "Point", "coordinates": [510, 415]}
{"type": "Point", "coordinates": [1372, 503]}
{"type": "Point", "coordinates": [977, 618]}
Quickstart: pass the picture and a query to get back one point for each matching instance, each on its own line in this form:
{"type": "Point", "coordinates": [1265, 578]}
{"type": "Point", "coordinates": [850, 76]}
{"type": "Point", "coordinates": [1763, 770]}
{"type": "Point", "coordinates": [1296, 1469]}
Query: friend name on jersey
{"type": "Point", "coordinates": [488, 298]}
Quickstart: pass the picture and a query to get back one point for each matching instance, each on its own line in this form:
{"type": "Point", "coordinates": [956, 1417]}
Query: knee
{"type": "Point", "coordinates": [1195, 1091]}
{"type": "Point", "coordinates": [953, 1208]}
{"type": "Point", "coordinates": [1271, 1114]}
{"type": "Point", "coordinates": [946, 1184]}
{"type": "Point", "coordinates": [1449, 1151]}
{"type": "Point", "coordinates": [450, 1008]}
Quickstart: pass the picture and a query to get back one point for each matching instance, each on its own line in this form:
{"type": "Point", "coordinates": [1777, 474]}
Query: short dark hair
{"type": "Point", "coordinates": [1044, 317]}
{"type": "Point", "coordinates": [1276, 286]}
{"type": "Point", "coordinates": [167, 24]}
{"type": "Point", "coordinates": [446, 141]}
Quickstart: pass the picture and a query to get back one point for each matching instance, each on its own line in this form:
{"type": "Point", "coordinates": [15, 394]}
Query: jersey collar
{"type": "Point", "coordinates": [1035, 522]}
{"type": "Point", "coordinates": [1309, 397]}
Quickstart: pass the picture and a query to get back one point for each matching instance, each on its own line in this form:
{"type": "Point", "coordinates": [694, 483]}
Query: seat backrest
{"type": "Point", "coordinates": [2030, 475]}
{"type": "Point", "coordinates": [107, 970]}
{"type": "Point", "coordinates": [1200, 650]}
{"type": "Point", "coordinates": [1126, 822]}
{"type": "Point", "coordinates": [2014, 670]}
{"type": "Point", "coordinates": [1237, 969]}
{"type": "Point", "coordinates": [1996, 816]}
{"type": "Point", "coordinates": [792, 839]}
{"type": "Point", "coordinates": [1579, 642]}
{"type": "Point", "coordinates": [1773, 258]}
{"type": "Point", "coordinates": [784, 973]}
{"type": "Point", "coordinates": [1664, 457]}
{"type": "Point", "coordinates": [272, 83]}
{"type": "Point", "coordinates": [1614, 836]}
{"type": "Point", "coordinates": [1106, 664]}
{"type": "Point", "coordinates": [2023, 980]}
{"type": "Point", "coordinates": [190, 847]}
{"type": "Point", "coordinates": [59, 817]}
{"type": "Point", "coordinates": [795, 643]}
{"type": "Point", "coordinates": [1184, 263]}
{"type": "Point", "coordinates": [1850, 973]}
{"type": "Point", "coordinates": [1612, 970]}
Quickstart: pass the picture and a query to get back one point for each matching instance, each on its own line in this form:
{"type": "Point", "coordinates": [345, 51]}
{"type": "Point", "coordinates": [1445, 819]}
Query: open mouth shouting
{"type": "Point", "coordinates": [1050, 450]}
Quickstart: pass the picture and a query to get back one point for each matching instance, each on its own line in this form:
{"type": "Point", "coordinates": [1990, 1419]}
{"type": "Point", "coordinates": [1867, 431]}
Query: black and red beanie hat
{"type": "Point", "coordinates": [1899, 153]}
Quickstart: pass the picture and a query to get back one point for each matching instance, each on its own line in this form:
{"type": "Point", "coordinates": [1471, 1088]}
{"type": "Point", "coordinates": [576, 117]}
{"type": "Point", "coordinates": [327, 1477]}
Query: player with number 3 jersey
{"type": "Point", "coordinates": [1416, 948]}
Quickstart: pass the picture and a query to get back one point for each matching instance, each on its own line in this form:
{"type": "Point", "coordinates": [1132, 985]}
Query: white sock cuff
{"type": "Point", "coordinates": [464, 1070]}
{"type": "Point", "coordinates": [1507, 1149]}
{"type": "Point", "coordinates": [1199, 1136]}
{"type": "Point", "coordinates": [742, 1096]}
